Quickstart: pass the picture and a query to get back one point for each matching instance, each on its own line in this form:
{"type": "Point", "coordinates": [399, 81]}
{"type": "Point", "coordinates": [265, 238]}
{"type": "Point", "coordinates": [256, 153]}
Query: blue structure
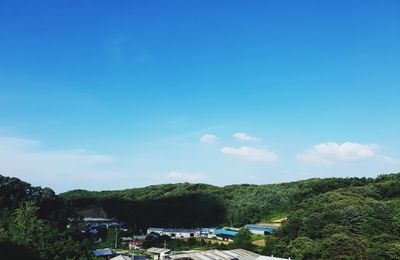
{"type": "Point", "coordinates": [226, 233]}
{"type": "Point", "coordinates": [103, 252]}
{"type": "Point", "coordinates": [261, 229]}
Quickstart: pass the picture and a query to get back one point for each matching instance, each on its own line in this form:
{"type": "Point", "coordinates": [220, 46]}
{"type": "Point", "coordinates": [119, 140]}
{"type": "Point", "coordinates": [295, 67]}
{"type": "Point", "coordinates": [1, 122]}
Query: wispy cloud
{"type": "Point", "coordinates": [330, 152]}
{"type": "Point", "coordinates": [245, 137]}
{"type": "Point", "coordinates": [250, 154]}
{"type": "Point", "coordinates": [184, 177]}
{"type": "Point", "coordinates": [388, 159]}
{"type": "Point", "coordinates": [208, 139]}
{"type": "Point", "coordinates": [29, 160]}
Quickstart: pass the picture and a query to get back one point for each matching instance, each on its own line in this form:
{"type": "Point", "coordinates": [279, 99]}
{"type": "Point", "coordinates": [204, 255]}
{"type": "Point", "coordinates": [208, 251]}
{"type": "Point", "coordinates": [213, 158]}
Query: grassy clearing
{"type": "Point", "coordinates": [257, 237]}
{"type": "Point", "coordinates": [274, 218]}
{"type": "Point", "coordinates": [215, 241]}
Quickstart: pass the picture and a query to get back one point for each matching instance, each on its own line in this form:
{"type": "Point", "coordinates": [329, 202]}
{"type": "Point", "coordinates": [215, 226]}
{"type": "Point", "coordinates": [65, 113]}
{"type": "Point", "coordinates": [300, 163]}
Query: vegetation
{"type": "Point", "coordinates": [335, 218]}
{"type": "Point", "coordinates": [204, 205]}
{"type": "Point", "coordinates": [348, 223]}
{"type": "Point", "coordinates": [33, 224]}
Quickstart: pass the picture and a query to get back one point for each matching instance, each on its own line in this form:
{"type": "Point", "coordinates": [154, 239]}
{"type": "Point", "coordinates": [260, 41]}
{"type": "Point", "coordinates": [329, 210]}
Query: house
{"type": "Point", "coordinates": [136, 244]}
{"type": "Point", "coordinates": [207, 232]}
{"type": "Point", "coordinates": [159, 253]}
{"type": "Point", "coordinates": [261, 229]}
{"type": "Point", "coordinates": [236, 254]}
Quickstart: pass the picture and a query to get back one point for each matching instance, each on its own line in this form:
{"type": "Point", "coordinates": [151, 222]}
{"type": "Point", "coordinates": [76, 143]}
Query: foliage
{"type": "Point", "coordinates": [202, 204]}
{"type": "Point", "coordinates": [348, 223]}
{"type": "Point", "coordinates": [30, 231]}
{"type": "Point", "coordinates": [243, 239]}
{"type": "Point", "coordinates": [335, 218]}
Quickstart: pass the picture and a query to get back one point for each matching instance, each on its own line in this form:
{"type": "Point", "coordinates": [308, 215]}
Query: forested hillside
{"type": "Point", "coordinates": [348, 223]}
{"type": "Point", "coordinates": [194, 205]}
{"type": "Point", "coordinates": [335, 218]}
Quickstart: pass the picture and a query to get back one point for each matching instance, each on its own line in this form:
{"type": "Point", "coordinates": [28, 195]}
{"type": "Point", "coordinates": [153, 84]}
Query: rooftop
{"type": "Point", "coordinates": [157, 250]}
{"type": "Point", "coordinates": [240, 254]}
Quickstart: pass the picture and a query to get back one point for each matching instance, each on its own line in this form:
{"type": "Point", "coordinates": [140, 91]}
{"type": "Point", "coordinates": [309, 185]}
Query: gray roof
{"type": "Point", "coordinates": [157, 250]}
{"type": "Point", "coordinates": [240, 254]}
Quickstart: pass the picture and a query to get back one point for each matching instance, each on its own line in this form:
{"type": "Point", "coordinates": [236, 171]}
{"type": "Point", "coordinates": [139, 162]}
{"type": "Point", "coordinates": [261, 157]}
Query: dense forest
{"type": "Point", "coordinates": [195, 205]}
{"type": "Point", "coordinates": [334, 218]}
{"type": "Point", "coordinates": [33, 224]}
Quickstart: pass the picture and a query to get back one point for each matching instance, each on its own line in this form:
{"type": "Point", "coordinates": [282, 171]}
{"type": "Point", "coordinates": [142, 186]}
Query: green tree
{"type": "Point", "coordinates": [243, 239]}
{"type": "Point", "coordinates": [303, 248]}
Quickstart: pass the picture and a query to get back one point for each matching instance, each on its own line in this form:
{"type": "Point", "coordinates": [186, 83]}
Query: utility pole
{"type": "Point", "coordinates": [116, 238]}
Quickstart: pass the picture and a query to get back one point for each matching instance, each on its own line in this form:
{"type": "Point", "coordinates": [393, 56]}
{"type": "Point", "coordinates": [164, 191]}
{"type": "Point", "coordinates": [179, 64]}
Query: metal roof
{"type": "Point", "coordinates": [175, 230]}
{"type": "Point", "coordinates": [268, 229]}
{"type": "Point", "coordinates": [225, 232]}
{"type": "Point", "coordinates": [103, 252]}
{"type": "Point", "coordinates": [157, 250]}
{"type": "Point", "coordinates": [240, 254]}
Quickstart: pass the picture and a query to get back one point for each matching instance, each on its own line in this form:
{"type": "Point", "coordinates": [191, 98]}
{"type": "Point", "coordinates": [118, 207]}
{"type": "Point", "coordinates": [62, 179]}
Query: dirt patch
{"type": "Point", "coordinates": [260, 242]}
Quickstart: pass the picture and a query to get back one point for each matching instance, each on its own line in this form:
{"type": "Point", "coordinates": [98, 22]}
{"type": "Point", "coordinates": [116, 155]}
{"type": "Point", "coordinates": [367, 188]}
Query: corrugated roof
{"type": "Point", "coordinates": [103, 252]}
{"type": "Point", "coordinates": [157, 250]}
{"type": "Point", "coordinates": [225, 232]}
{"type": "Point", "coordinates": [240, 254]}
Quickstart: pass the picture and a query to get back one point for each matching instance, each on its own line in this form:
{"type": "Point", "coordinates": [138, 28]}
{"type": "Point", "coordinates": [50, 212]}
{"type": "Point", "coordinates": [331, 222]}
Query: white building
{"type": "Point", "coordinates": [175, 232]}
{"type": "Point", "coordinates": [159, 253]}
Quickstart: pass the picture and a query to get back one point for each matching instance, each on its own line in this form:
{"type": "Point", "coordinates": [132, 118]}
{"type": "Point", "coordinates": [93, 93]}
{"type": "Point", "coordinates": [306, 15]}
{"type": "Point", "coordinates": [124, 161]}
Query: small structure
{"type": "Point", "coordinates": [225, 234]}
{"type": "Point", "coordinates": [159, 253]}
{"type": "Point", "coordinates": [136, 244]}
{"type": "Point", "coordinates": [261, 229]}
{"type": "Point", "coordinates": [106, 252]}
{"type": "Point", "coordinates": [207, 232]}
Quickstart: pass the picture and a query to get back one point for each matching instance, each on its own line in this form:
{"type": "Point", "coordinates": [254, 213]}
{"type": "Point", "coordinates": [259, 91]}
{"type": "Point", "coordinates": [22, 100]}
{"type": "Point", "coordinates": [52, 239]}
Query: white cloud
{"type": "Point", "coordinates": [208, 139]}
{"type": "Point", "coordinates": [329, 152]}
{"type": "Point", "coordinates": [245, 137]}
{"type": "Point", "coordinates": [250, 154]}
{"type": "Point", "coordinates": [388, 159]}
{"type": "Point", "coordinates": [184, 177]}
{"type": "Point", "coordinates": [29, 160]}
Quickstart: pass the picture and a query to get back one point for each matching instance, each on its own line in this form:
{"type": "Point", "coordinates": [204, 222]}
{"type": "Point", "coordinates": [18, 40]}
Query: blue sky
{"type": "Point", "coordinates": [107, 95]}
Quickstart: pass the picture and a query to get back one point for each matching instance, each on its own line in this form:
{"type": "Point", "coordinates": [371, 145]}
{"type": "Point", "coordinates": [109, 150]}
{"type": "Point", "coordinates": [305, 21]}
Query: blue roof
{"type": "Point", "coordinates": [92, 231]}
{"type": "Point", "coordinates": [103, 252]}
{"type": "Point", "coordinates": [155, 229]}
{"type": "Point", "coordinates": [225, 232]}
